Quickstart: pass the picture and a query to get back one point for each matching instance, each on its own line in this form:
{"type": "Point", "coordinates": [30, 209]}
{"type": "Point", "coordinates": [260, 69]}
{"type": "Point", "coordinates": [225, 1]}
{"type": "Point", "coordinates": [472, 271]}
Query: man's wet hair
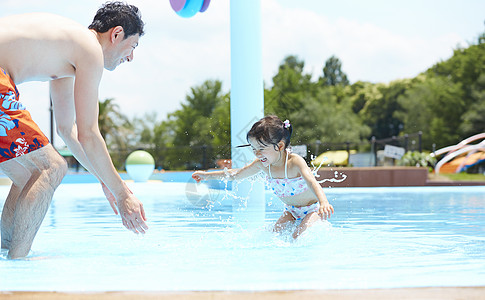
{"type": "Point", "coordinates": [118, 13]}
{"type": "Point", "coordinates": [270, 130]}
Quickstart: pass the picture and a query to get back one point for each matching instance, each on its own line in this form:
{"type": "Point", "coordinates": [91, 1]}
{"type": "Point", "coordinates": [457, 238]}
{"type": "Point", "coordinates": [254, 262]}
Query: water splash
{"type": "Point", "coordinates": [233, 194]}
{"type": "Point", "coordinates": [3, 254]}
{"type": "Point", "coordinates": [335, 179]}
{"type": "Point", "coordinates": [209, 199]}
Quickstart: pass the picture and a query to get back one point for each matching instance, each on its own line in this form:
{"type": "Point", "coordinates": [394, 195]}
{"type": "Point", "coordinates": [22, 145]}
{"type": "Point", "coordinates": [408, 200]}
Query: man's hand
{"type": "Point", "coordinates": [110, 197]}
{"type": "Point", "coordinates": [132, 214]}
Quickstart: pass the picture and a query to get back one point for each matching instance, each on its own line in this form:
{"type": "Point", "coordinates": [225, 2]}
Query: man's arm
{"type": "Point", "coordinates": [88, 76]}
{"type": "Point", "coordinates": [62, 96]}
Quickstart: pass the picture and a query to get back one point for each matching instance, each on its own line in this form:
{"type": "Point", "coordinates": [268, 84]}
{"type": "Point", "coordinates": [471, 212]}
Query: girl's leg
{"type": "Point", "coordinates": [285, 219]}
{"type": "Point", "coordinates": [307, 221]}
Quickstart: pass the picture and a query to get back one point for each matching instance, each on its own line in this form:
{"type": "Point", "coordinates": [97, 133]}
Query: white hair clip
{"type": "Point", "coordinates": [286, 123]}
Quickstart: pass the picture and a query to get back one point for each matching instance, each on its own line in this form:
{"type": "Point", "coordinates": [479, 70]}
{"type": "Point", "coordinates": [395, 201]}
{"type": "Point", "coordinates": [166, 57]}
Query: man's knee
{"type": "Point", "coordinates": [60, 163]}
{"type": "Point", "coordinates": [51, 162]}
{"type": "Point", "coordinates": [58, 169]}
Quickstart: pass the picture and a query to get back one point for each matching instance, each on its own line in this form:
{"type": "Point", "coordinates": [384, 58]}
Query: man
{"type": "Point", "coordinates": [46, 47]}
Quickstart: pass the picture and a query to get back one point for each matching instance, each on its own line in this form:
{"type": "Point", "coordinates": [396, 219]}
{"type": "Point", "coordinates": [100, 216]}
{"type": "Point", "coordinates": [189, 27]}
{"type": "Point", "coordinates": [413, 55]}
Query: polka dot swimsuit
{"type": "Point", "coordinates": [285, 187]}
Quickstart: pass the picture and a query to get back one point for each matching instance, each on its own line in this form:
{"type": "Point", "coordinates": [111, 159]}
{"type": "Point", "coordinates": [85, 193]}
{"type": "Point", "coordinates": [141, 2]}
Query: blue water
{"type": "Point", "coordinates": [377, 238]}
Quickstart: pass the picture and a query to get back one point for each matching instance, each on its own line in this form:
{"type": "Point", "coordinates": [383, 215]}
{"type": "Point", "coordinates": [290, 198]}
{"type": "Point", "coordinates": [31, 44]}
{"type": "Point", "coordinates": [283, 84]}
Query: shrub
{"type": "Point", "coordinates": [417, 159]}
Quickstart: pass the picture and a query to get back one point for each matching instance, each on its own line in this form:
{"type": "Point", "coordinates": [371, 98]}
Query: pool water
{"type": "Point", "coordinates": [377, 238]}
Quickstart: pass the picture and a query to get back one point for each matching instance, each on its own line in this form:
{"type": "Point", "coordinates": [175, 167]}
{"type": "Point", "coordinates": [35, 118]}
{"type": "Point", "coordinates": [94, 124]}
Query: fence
{"type": "Point", "coordinates": [369, 150]}
{"type": "Point", "coordinates": [368, 153]}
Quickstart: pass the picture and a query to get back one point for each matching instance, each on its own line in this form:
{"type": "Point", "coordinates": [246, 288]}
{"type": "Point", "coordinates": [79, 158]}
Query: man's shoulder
{"type": "Point", "coordinates": [52, 46]}
{"type": "Point", "coordinates": [41, 19]}
{"type": "Point", "coordinates": [46, 27]}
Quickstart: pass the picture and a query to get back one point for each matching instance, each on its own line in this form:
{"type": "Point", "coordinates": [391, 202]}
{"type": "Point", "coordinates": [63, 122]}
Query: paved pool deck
{"type": "Point", "coordinates": [441, 293]}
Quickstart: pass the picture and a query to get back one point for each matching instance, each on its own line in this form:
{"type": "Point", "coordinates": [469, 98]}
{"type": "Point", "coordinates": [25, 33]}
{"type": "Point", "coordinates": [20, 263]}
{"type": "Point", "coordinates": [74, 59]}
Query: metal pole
{"type": "Point", "coordinates": [204, 157]}
{"type": "Point", "coordinates": [420, 134]}
{"type": "Point", "coordinates": [348, 152]}
{"type": "Point", "coordinates": [318, 142]}
{"type": "Point", "coordinates": [51, 112]}
{"type": "Point", "coordinates": [247, 103]}
{"type": "Point", "coordinates": [374, 150]}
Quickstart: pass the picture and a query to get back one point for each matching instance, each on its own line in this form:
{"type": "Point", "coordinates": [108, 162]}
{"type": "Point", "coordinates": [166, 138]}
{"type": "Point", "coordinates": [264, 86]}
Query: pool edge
{"type": "Point", "coordinates": [395, 293]}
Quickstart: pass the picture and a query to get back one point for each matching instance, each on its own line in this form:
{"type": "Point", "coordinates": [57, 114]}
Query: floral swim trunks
{"type": "Point", "coordinates": [19, 134]}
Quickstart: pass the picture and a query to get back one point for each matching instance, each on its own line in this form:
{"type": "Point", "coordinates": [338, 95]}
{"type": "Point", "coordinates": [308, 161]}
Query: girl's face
{"type": "Point", "coordinates": [267, 154]}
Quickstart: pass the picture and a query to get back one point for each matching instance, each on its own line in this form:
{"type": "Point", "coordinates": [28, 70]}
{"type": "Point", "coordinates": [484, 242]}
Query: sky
{"type": "Point", "coordinates": [376, 41]}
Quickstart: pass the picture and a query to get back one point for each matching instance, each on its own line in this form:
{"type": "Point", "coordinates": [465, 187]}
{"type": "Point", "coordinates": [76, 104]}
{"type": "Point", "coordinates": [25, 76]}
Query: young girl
{"type": "Point", "coordinates": [287, 173]}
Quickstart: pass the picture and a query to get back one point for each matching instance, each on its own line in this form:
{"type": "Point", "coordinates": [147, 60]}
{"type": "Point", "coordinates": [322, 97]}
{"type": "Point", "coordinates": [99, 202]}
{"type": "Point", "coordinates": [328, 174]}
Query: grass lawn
{"type": "Point", "coordinates": [464, 177]}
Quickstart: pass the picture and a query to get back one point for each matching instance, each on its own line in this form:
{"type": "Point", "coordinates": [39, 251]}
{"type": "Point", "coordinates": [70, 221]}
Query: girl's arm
{"type": "Point", "coordinates": [231, 174]}
{"type": "Point", "coordinates": [326, 209]}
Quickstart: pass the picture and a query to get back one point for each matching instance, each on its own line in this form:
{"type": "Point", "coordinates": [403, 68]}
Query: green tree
{"type": "Point", "coordinates": [199, 132]}
{"type": "Point", "coordinates": [381, 108]}
{"type": "Point", "coordinates": [143, 130]}
{"type": "Point", "coordinates": [110, 118]}
{"type": "Point", "coordinates": [163, 148]}
{"type": "Point", "coordinates": [473, 120]}
{"type": "Point", "coordinates": [361, 94]}
{"type": "Point", "coordinates": [465, 67]}
{"type": "Point", "coordinates": [433, 106]}
{"type": "Point", "coordinates": [290, 85]}
{"type": "Point", "coordinates": [221, 128]}
{"type": "Point", "coordinates": [326, 119]}
{"type": "Point", "coordinates": [317, 111]}
{"type": "Point", "coordinates": [333, 74]}
{"type": "Point", "coordinates": [447, 103]}
{"type": "Point", "coordinates": [116, 129]}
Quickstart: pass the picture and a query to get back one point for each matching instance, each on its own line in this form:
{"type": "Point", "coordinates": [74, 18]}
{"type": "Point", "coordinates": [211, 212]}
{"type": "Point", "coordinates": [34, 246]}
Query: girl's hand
{"type": "Point", "coordinates": [198, 176]}
{"type": "Point", "coordinates": [325, 210]}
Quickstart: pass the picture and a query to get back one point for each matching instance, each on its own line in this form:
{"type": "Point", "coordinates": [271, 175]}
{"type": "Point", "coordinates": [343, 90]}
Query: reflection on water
{"type": "Point", "coordinates": [378, 237]}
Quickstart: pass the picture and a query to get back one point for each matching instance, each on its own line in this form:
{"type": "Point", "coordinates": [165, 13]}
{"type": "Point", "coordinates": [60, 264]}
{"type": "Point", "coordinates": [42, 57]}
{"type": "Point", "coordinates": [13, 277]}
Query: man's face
{"type": "Point", "coordinates": [122, 51]}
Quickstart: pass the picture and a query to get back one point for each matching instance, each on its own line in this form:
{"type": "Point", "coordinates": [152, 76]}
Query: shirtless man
{"type": "Point", "coordinates": [46, 47]}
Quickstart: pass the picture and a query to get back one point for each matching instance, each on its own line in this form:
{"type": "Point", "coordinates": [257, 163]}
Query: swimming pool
{"type": "Point", "coordinates": [378, 238]}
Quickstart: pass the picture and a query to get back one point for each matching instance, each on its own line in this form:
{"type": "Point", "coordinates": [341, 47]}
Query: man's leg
{"type": "Point", "coordinates": [47, 168]}
{"type": "Point", "coordinates": [19, 176]}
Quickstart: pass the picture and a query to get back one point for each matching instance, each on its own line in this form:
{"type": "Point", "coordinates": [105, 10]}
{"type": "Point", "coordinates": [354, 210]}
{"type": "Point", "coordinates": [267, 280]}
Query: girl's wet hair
{"type": "Point", "coordinates": [270, 130]}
